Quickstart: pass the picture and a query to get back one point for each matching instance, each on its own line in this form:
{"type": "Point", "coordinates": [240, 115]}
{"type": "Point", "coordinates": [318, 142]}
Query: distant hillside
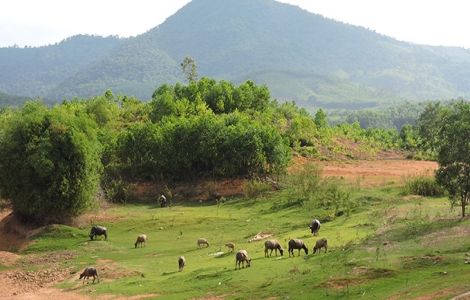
{"type": "Point", "coordinates": [299, 55]}
{"type": "Point", "coordinates": [137, 68]}
{"type": "Point", "coordinates": [12, 100]}
{"type": "Point", "coordinates": [35, 72]}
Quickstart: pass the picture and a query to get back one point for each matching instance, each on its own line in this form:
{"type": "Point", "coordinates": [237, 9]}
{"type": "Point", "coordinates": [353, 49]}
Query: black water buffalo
{"type": "Point", "coordinates": [90, 272]}
{"type": "Point", "coordinates": [297, 244]}
{"type": "Point", "coordinates": [98, 230]}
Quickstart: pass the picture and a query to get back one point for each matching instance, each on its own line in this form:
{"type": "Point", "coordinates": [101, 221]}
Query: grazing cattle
{"type": "Point", "coordinates": [297, 244]}
{"type": "Point", "coordinates": [162, 201]}
{"type": "Point", "coordinates": [231, 246]}
{"type": "Point", "coordinates": [202, 241]}
{"type": "Point", "coordinates": [98, 230]}
{"type": "Point", "coordinates": [241, 258]}
{"type": "Point", "coordinates": [141, 239]}
{"type": "Point", "coordinates": [89, 272]}
{"type": "Point", "coordinates": [181, 262]}
{"type": "Point", "coordinates": [315, 227]}
{"type": "Point", "coordinates": [320, 244]}
{"type": "Point", "coordinates": [272, 245]}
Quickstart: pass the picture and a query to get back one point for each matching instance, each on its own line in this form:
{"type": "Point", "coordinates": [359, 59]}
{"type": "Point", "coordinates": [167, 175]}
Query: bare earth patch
{"type": "Point", "coordinates": [442, 293]}
{"type": "Point", "coordinates": [378, 172]}
{"type": "Point", "coordinates": [8, 258]}
{"type": "Point", "coordinates": [137, 297]}
{"type": "Point", "coordinates": [261, 236]}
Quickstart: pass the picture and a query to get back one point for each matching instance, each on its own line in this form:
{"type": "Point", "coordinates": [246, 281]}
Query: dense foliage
{"type": "Point", "coordinates": [12, 100]}
{"type": "Point", "coordinates": [49, 161]}
{"type": "Point", "coordinates": [203, 128]}
{"type": "Point", "coordinates": [206, 128]}
{"type": "Point", "coordinates": [231, 145]}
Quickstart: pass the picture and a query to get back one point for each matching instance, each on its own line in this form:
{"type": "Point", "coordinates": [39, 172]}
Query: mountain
{"type": "Point", "coordinates": [299, 55]}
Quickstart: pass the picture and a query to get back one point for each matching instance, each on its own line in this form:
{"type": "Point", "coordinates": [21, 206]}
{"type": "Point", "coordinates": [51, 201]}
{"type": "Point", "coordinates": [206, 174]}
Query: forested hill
{"type": "Point", "coordinates": [36, 71]}
{"type": "Point", "coordinates": [299, 55]}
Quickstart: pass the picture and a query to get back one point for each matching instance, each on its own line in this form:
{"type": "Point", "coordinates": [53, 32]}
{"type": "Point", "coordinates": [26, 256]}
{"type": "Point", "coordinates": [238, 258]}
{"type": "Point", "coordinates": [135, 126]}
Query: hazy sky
{"type": "Point", "coordinates": [43, 22]}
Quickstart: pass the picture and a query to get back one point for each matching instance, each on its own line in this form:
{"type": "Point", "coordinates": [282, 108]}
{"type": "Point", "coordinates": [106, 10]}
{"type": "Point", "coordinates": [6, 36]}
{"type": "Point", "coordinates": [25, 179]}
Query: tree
{"type": "Point", "coordinates": [408, 137]}
{"type": "Point", "coordinates": [428, 124]}
{"type": "Point", "coordinates": [49, 162]}
{"type": "Point", "coordinates": [454, 153]}
{"type": "Point", "coordinates": [320, 119]}
{"type": "Point", "coordinates": [220, 97]}
{"type": "Point", "coordinates": [189, 69]}
{"type": "Point", "coordinates": [102, 109]}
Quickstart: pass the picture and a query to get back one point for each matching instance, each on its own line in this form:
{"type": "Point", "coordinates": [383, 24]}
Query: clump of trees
{"type": "Point", "coordinates": [442, 133]}
{"type": "Point", "coordinates": [53, 159]}
{"type": "Point", "coordinates": [229, 145]}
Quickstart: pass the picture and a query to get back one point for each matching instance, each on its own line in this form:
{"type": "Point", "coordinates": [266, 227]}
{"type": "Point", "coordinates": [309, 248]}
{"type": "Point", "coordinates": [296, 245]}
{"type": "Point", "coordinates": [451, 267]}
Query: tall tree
{"type": "Point", "coordinates": [428, 124]}
{"type": "Point", "coordinates": [454, 154]}
{"type": "Point", "coordinates": [189, 69]}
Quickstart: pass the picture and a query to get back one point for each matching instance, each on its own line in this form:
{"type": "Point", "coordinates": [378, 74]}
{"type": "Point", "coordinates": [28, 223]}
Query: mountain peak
{"type": "Point", "coordinates": [298, 54]}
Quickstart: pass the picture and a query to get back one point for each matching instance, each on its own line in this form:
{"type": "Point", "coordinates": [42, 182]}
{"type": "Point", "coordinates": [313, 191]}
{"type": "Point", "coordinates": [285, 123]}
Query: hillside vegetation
{"type": "Point", "coordinates": [301, 56]}
{"type": "Point", "coordinates": [206, 129]}
{"type": "Point", "coordinates": [77, 164]}
{"type": "Point", "coordinates": [202, 130]}
{"type": "Point", "coordinates": [36, 71]}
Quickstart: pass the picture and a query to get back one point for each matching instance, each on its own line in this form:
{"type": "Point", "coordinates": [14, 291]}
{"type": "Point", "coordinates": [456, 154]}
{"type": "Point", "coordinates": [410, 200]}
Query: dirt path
{"type": "Point", "coordinates": [18, 284]}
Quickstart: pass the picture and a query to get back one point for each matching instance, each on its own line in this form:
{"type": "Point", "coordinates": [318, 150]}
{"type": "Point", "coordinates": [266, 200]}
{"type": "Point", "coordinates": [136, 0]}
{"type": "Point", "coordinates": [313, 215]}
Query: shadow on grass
{"type": "Point", "coordinates": [169, 273]}
{"type": "Point", "coordinates": [223, 255]}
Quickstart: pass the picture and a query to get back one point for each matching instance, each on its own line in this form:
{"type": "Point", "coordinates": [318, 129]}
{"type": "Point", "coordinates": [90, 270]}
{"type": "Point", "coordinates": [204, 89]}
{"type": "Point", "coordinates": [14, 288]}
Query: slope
{"type": "Point", "coordinates": [137, 68]}
{"type": "Point", "coordinates": [34, 72]}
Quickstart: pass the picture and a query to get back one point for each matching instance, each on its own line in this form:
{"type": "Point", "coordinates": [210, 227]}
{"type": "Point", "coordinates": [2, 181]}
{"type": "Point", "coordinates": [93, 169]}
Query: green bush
{"type": "Point", "coordinates": [423, 186]}
{"type": "Point", "coordinates": [49, 162]}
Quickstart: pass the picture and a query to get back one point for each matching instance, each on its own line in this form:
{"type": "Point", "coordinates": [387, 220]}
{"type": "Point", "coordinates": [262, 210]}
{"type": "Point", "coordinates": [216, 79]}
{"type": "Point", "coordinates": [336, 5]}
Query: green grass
{"type": "Point", "coordinates": [386, 246]}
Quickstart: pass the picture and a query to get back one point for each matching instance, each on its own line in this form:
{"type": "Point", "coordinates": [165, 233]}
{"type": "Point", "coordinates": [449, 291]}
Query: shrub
{"type": "Point", "coordinates": [49, 162]}
{"type": "Point", "coordinates": [423, 186]}
{"type": "Point", "coordinates": [255, 187]}
{"type": "Point", "coordinates": [118, 191]}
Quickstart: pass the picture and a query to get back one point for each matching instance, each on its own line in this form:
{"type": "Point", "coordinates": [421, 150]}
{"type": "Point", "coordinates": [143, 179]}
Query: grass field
{"type": "Point", "coordinates": [381, 246]}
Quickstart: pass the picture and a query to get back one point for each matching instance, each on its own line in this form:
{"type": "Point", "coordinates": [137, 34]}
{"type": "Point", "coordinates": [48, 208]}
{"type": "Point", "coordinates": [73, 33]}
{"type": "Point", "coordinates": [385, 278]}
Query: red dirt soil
{"type": "Point", "coordinates": [385, 168]}
{"type": "Point", "coordinates": [378, 172]}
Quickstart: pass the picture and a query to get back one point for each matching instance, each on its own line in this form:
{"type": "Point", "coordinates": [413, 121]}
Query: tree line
{"type": "Point", "coordinates": [52, 160]}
